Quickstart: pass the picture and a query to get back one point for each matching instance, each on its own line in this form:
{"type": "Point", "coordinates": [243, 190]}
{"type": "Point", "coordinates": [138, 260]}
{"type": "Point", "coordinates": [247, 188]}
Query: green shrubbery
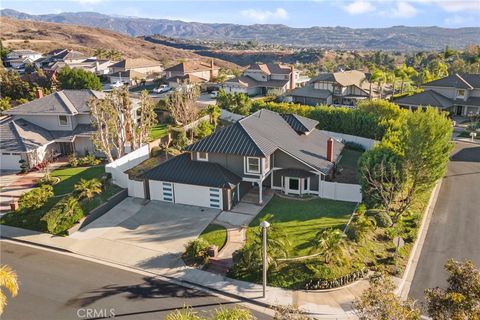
{"type": "Point", "coordinates": [48, 179]}
{"type": "Point", "coordinates": [204, 129]}
{"type": "Point", "coordinates": [196, 252]}
{"type": "Point", "coordinates": [36, 197]}
{"type": "Point", "coordinates": [88, 160]}
{"type": "Point", "coordinates": [63, 215]}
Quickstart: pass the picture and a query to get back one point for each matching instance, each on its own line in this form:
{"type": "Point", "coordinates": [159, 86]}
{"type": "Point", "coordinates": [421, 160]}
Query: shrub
{"type": "Point", "coordinates": [204, 129]}
{"type": "Point", "coordinates": [36, 197]}
{"type": "Point", "coordinates": [47, 179]}
{"type": "Point", "coordinates": [196, 251]}
{"type": "Point", "coordinates": [88, 188]}
{"type": "Point", "coordinates": [155, 151]}
{"type": "Point", "coordinates": [180, 139]}
{"type": "Point", "coordinates": [63, 215]}
{"type": "Point", "coordinates": [383, 219]}
{"type": "Point", "coordinates": [73, 161]}
{"type": "Point", "coordinates": [23, 165]}
{"type": "Point", "coordinates": [359, 228]}
{"type": "Point", "coordinates": [235, 313]}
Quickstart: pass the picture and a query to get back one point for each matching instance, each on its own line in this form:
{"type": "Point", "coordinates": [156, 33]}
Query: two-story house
{"type": "Point", "coordinates": [65, 56]}
{"type": "Point", "coordinates": [18, 59]}
{"type": "Point", "coordinates": [258, 79]}
{"type": "Point", "coordinates": [458, 94]}
{"type": "Point", "coordinates": [192, 72]}
{"type": "Point", "coordinates": [130, 69]}
{"type": "Point", "coordinates": [52, 125]}
{"type": "Point", "coordinates": [266, 150]}
{"type": "Point", "coordinates": [343, 88]}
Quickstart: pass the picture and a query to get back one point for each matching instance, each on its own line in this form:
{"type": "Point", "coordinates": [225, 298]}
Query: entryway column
{"type": "Point", "coordinates": [260, 200]}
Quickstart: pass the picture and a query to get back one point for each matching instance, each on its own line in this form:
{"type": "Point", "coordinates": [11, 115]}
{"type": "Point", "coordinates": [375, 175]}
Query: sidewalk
{"type": "Point", "coordinates": [334, 304]}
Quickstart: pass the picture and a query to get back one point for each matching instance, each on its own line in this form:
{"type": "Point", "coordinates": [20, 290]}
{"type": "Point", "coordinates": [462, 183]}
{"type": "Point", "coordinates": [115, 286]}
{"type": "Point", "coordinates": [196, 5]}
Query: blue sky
{"type": "Point", "coordinates": [349, 13]}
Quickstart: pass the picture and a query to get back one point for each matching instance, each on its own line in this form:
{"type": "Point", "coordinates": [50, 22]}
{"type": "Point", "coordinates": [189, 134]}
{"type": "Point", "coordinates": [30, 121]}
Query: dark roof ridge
{"type": "Point", "coordinates": [465, 81]}
{"type": "Point", "coordinates": [249, 136]}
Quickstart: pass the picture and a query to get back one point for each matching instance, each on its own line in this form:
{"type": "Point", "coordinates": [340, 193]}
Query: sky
{"type": "Point", "coordinates": [347, 13]}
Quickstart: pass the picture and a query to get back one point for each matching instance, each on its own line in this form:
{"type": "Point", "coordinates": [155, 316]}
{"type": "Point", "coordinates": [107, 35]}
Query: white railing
{"type": "Point", "coordinates": [340, 191]}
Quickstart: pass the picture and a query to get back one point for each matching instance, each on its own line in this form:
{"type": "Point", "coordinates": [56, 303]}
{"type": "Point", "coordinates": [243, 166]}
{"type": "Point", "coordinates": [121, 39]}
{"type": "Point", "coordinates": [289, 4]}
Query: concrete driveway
{"type": "Point", "coordinates": [158, 226]}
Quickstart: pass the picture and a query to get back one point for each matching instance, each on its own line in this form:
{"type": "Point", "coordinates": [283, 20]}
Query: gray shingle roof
{"type": "Point", "coordinates": [68, 102]}
{"type": "Point", "coordinates": [299, 123]}
{"type": "Point", "coordinates": [426, 98]}
{"type": "Point", "coordinates": [462, 81]}
{"type": "Point", "coordinates": [310, 92]}
{"type": "Point", "coordinates": [181, 169]}
{"type": "Point", "coordinates": [18, 135]}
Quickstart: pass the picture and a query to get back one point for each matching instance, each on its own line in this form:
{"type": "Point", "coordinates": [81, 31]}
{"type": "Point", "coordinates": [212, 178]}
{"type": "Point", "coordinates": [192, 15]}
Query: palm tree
{"type": "Point", "coordinates": [331, 243]}
{"type": "Point", "coordinates": [113, 54]}
{"type": "Point", "coordinates": [405, 74]}
{"type": "Point", "coordinates": [100, 53]}
{"type": "Point", "coordinates": [88, 188]}
{"type": "Point", "coordinates": [9, 280]}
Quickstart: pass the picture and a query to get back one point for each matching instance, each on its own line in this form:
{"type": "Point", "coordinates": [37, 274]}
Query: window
{"type": "Point", "coordinates": [63, 120]}
{"type": "Point", "coordinates": [461, 93]}
{"type": "Point", "coordinates": [202, 156]}
{"type": "Point", "coordinates": [253, 165]}
{"type": "Point", "coordinates": [305, 184]}
{"type": "Point", "coordinates": [266, 164]}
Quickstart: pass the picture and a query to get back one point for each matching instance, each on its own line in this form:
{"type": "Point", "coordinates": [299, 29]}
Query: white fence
{"type": "Point", "coordinates": [195, 123]}
{"type": "Point", "coordinates": [340, 191]}
{"type": "Point", "coordinates": [118, 167]}
{"type": "Point", "coordinates": [230, 116]}
{"type": "Point", "coordinates": [364, 142]}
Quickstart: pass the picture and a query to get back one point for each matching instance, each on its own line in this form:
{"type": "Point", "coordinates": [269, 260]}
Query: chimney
{"type": "Point", "coordinates": [330, 149]}
{"type": "Point", "coordinates": [292, 78]}
{"type": "Point", "coordinates": [39, 93]}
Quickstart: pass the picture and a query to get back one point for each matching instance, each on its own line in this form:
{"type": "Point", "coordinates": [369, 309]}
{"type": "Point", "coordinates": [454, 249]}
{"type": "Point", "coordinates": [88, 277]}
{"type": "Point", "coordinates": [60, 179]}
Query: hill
{"type": "Point", "coordinates": [46, 36]}
{"type": "Point", "coordinates": [399, 38]}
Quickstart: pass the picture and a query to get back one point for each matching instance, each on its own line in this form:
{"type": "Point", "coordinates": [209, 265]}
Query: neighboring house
{"type": "Point", "coordinates": [99, 67]}
{"type": "Point", "coordinates": [458, 94]}
{"type": "Point", "coordinates": [19, 59]}
{"type": "Point", "coordinates": [266, 149]}
{"type": "Point", "coordinates": [127, 77]}
{"type": "Point", "coordinates": [198, 70]}
{"type": "Point", "coordinates": [143, 66]}
{"type": "Point", "coordinates": [21, 54]}
{"type": "Point", "coordinates": [343, 88]}
{"type": "Point", "coordinates": [260, 78]}
{"type": "Point", "coordinates": [178, 81]}
{"type": "Point", "coordinates": [50, 126]}
{"type": "Point", "coordinates": [60, 55]}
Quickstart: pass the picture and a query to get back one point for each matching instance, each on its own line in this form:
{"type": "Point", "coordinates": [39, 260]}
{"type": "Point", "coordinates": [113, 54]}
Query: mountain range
{"type": "Point", "coordinates": [398, 38]}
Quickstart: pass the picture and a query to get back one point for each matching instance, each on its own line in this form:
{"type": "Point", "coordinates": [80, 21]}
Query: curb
{"type": "Point", "coordinates": [406, 281]}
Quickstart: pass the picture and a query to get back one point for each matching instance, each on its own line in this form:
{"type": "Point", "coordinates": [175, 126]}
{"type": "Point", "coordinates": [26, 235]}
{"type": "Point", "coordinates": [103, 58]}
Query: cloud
{"type": "Point", "coordinates": [265, 15]}
{"type": "Point", "coordinates": [89, 1]}
{"type": "Point", "coordinates": [404, 10]}
{"type": "Point", "coordinates": [359, 7]}
{"type": "Point", "coordinates": [458, 20]}
{"type": "Point", "coordinates": [460, 5]}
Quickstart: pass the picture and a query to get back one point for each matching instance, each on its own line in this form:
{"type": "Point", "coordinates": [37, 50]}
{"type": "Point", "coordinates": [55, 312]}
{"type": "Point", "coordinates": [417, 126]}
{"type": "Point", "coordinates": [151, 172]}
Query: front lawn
{"type": "Point", "coordinates": [215, 234]}
{"type": "Point", "coordinates": [68, 178]}
{"type": "Point", "coordinates": [466, 134]}
{"type": "Point", "coordinates": [301, 220]}
{"type": "Point", "coordinates": [158, 131]}
{"type": "Point", "coordinates": [349, 166]}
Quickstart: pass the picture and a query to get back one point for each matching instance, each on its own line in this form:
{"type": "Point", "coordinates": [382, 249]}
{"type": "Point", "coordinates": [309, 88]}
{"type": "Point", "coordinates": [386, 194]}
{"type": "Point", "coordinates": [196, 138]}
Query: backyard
{"type": "Point", "coordinates": [348, 166]}
{"type": "Point", "coordinates": [158, 131]}
{"type": "Point", "coordinates": [68, 178]}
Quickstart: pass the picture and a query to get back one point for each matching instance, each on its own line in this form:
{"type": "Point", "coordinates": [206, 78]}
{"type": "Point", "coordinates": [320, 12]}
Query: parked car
{"type": "Point", "coordinates": [162, 89]}
{"type": "Point", "coordinates": [117, 84]}
{"type": "Point", "coordinates": [214, 94]}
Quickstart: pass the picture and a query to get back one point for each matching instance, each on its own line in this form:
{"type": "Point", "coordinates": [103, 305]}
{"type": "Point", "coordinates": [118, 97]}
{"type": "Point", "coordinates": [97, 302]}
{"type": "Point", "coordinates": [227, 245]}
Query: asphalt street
{"type": "Point", "coordinates": [454, 230]}
{"type": "Point", "coordinates": [55, 286]}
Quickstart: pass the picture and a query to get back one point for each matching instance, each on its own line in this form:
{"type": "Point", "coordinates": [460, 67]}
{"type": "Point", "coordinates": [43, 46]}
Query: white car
{"type": "Point", "coordinates": [117, 84]}
{"type": "Point", "coordinates": [163, 88]}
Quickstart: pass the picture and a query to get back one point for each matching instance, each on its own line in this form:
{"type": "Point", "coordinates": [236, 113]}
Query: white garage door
{"type": "Point", "coordinates": [160, 190]}
{"type": "Point", "coordinates": [197, 195]}
{"type": "Point", "coordinates": [10, 161]}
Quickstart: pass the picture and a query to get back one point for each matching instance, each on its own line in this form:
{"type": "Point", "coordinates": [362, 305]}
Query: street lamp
{"type": "Point", "coordinates": [264, 225]}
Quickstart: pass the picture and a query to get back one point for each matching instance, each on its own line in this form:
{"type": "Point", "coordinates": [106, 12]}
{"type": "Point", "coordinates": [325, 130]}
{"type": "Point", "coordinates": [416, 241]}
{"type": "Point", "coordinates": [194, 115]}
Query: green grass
{"type": "Point", "coordinates": [466, 134]}
{"type": "Point", "coordinates": [301, 220]}
{"type": "Point", "coordinates": [68, 178]}
{"type": "Point", "coordinates": [215, 234]}
{"type": "Point", "coordinates": [348, 163]}
{"type": "Point", "coordinates": [158, 131]}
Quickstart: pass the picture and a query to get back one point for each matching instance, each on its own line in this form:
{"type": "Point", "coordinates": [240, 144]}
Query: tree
{"type": "Point", "coordinates": [112, 117]}
{"type": "Point", "coordinates": [405, 74]}
{"type": "Point", "coordinates": [214, 111]}
{"type": "Point", "coordinates": [9, 281]}
{"type": "Point", "coordinates": [239, 103]}
{"type": "Point", "coordinates": [380, 78]}
{"type": "Point", "coordinates": [5, 103]}
{"type": "Point", "coordinates": [203, 129]}
{"type": "Point", "coordinates": [113, 54]}
{"type": "Point", "coordinates": [88, 188]}
{"type": "Point", "coordinates": [12, 86]}
{"type": "Point", "coordinates": [330, 242]}
{"type": "Point", "coordinates": [182, 105]}
{"type": "Point", "coordinates": [100, 53]}
{"type": "Point", "coordinates": [77, 78]}
{"type": "Point", "coordinates": [461, 299]}
{"type": "Point", "coordinates": [379, 302]}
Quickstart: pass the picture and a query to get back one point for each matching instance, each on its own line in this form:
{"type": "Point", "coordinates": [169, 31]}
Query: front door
{"type": "Point", "coordinates": [293, 185]}
{"type": "Point", "coordinates": [459, 110]}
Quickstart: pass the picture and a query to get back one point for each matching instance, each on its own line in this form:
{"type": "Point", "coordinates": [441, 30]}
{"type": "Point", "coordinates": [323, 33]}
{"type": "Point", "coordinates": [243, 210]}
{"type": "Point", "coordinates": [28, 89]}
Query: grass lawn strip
{"type": "Point", "coordinates": [349, 164]}
{"type": "Point", "coordinates": [215, 234]}
{"type": "Point", "coordinates": [302, 220]}
{"type": "Point", "coordinates": [158, 131]}
{"type": "Point", "coordinates": [68, 178]}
